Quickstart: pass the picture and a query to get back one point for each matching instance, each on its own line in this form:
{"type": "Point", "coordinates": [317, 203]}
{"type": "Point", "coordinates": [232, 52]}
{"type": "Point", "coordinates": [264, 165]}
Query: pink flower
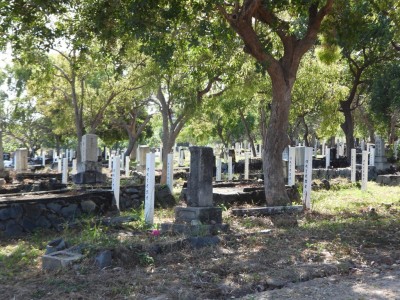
{"type": "Point", "coordinates": [155, 232]}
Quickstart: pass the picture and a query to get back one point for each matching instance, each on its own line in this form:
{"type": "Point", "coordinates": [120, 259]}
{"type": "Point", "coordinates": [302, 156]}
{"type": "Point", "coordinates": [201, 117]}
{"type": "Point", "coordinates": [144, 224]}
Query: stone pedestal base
{"type": "Point", "coordinates": [381, 163]}
{"type": "Point", "coordinates": [204, 215]}
{"type": "Point", "coordinates": [89, 172]}
{"type": "Point", "coordinates": [194, 230]}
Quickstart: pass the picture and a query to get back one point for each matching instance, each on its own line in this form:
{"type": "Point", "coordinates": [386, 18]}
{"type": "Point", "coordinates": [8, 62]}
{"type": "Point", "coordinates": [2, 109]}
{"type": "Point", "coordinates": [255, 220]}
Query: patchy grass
{"type": "Point", "coordinates": [346, 229]}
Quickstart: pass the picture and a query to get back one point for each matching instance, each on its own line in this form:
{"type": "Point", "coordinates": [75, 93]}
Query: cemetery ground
{"type": "Point", "coordinates": [348, 233]}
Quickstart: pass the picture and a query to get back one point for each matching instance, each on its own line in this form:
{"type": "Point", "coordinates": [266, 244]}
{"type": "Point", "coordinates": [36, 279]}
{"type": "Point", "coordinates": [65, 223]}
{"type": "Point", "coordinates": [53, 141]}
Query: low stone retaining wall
{"type": "Point", "coordinates": [53, 209]}
{"type": "Point", "coordinates": [392, 180]}
{"type": "Point", "coordinates": [18, 214]}
{"type": "Point", "coordinates": [342, 172]}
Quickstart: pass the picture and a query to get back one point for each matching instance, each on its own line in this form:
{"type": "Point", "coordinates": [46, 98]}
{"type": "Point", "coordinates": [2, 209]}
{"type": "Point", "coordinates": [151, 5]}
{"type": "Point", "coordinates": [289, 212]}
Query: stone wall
{"type": "Point", "coordinates": [19, 216]}
{"type": "Point", "coordinates": [342, 172]}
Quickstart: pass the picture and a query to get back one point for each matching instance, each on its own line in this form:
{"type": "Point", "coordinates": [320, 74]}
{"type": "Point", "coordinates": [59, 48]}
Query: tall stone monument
{"type": "Point", "coordinates": [380, 162]}
{"type": "Point", "coordinates": [89, 169]}
{"type": "Point", "coordinates": [199, 190]}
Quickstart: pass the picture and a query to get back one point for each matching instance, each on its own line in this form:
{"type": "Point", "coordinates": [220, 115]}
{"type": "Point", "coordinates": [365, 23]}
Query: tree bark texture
{"type": "Point", "coordinates": [282, 71]}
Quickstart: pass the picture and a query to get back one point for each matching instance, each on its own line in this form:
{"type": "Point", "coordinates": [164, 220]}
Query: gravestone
{"type": "Point", "coordinates": [200, 209]}
{"type": "Point", "coordinates": [142, 152]}
{"type": "Point", "coordinates": [381, 162]}
{"type": "Point", "coordinates": [21, 160]}
{"type": "Point", "coordinates": [299, 156]}
{"type": "Point", "coordinates": [89, 170]}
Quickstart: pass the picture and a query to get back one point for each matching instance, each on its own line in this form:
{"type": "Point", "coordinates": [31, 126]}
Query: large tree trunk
{"type": "Point", "coordinates": [348, 127]}
{"type": "Point", "coordinates": [168, 141]}
{"type": "Point", "coordinates": [1, 150]}
{"type": "Point", "coordinates": [246, 126]}
{"type": "Point", "coordinates": [275, 142]}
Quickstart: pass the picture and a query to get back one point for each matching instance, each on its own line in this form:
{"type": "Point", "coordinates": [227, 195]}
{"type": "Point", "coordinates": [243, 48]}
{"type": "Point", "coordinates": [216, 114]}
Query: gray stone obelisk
{"type": "Point", "coordinates": [199, 193]}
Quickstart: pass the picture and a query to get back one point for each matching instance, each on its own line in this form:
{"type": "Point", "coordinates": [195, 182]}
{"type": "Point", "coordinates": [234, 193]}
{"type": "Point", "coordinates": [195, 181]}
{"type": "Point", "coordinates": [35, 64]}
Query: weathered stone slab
{"type": "Point", "coordinates": [59, 259]}
{"type": "Point", "coordinates": [199, 186]}
{"type": "Point", "coordinates": [206, 215]}
{"type": "Point", "coordinates": [194, 230]}
{"type": "Point", "coordinates": [266, 211]}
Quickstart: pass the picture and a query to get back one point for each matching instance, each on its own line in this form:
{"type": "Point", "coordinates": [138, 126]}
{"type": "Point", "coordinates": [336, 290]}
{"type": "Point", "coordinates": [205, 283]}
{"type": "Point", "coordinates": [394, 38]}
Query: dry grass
{"type": "Point", "coordinates": [347, 229]}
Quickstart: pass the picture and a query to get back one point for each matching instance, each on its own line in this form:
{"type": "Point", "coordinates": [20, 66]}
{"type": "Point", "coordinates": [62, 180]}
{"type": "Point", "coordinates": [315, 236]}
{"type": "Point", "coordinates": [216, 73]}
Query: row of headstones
{"type": "Point", "coordinates": [308, 156]}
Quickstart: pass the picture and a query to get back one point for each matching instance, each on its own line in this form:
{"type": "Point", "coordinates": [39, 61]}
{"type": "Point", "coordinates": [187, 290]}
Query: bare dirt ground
{"type": "Point", "coordinates": [280, 263]}
{"type": "Point", "coordinates": [365, 284]}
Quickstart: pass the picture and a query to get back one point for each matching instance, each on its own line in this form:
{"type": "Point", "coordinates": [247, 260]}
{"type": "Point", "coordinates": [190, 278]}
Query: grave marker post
{"type": "Point", "coordinates": [64, 177]}
{"type": "Point", "coordinates": [307, 177]}
{"type": "Point", "coordinates": [116, 177]}
{"type": "Point", "coordinates": [219, 169]}
{"type": "Point", "coordinates": [353, 165]}
{"type": "Point", "coordinates": [127, 163]}
{"type": "Point", "coordinates": [292, 166]}
{"type": "Point", "coordinates": [170, 171]}
{"type": "Point", "coordinates": [364, 170]}
{"type": "Point", "coordinates": [230, 173]}
{"type": "Point", "coordinates": [372, 155]}
{"type": "Point", "coordinates": [327, 157]}
{"type": "Point", "coordinates": [149, 189]}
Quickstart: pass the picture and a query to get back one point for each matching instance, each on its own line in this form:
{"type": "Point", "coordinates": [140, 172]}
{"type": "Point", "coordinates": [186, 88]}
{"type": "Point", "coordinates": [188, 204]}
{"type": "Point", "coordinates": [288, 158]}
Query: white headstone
{"type": "Point", "coordinates": [43, 159]}
{"type": "Point", "coordinates": [64, 176]}
{"type": "Point", "coordinates": [89, 147]}
{"type": "Point", "coordinates": [110, 162]}
{"type": "Point", "coordinates": [127, 163]}
{"type": "Point", "coordinates": [372, 155]}
{"type": "Point", "coordinates": [307, 177]}
{"type": "Point", "coordinates": [230, 172]}
{"type": "Point", "coordinates": [246, 165]}
{"type": "Point", "coordinates": [21, 160]}
{"type": "Point", "coordinates": [285, 154]}
{"type": "Point", "coordinates": [395, 149]}
{"type": "Point", "coordinates": [219, 169]}
{"type": "Point", "coordinates": [292, 166]}
{"type": "Point", "coordinates": [353, 165]}
{"type": "Point", "coordinates": [170, 171]}
{"type": "Point", "coordinates": [362, 145]}
{"type": "Point", "coordinates": [74, 165]}
{"type": "Point", "coordinates": [327, 157]}
{"type": "Point", "coordinates": [181, 157]}
{"type": "Point", "coordinates": [59, 164]}
{"type": "Point", "coordinates": [116, 176]}
{"type": "Point", "coordinates": [323, 149]}
{"type": "Point", "coordinates": [149, 189]}
{"type": "Point", "coordinates": [364, 170]}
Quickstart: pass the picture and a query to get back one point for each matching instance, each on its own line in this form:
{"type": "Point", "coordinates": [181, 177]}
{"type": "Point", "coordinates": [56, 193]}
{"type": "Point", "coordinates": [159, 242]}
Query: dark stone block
{"type": "Point", "coordinates": [89, 177]}
{"type": "Point", "coordinates": [29, 224]}
{"type": "Point", "coordinates": [199, 189]}
{"type": "Point", "coordinates": [206, 215]}
{"type": "Point", "coordinates": [13, 212]}
{"type": "Point", "coordinates": [55, 207]}
{"type": "Point", "coordinates": [104, 259]}
{"type": "Point", "coordinates": [163, 197]}
{"type": "Point", "coordinates": [132, 190]}
{"type": "Point", "coordinates": [203, 241]}
{"type": "Point", "coordinates": [88, 206]}
{"type": "Point", "coordinates": [55, 245]}
{"type": "Point", "coordinates": [13, 229]}
{"type": "Point", "coordinates": [33, 210]}
{"type": "Point", "coordinates": [42, 222]}
{"type": "Point", "coordinates": [69, 211]}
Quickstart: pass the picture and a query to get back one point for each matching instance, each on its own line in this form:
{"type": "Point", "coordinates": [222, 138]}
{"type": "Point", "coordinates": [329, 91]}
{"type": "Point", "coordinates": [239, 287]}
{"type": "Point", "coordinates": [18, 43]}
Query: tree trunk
{"type": "Point", "coordinates": [1, 151]}
{"type": "Point", "coordinates": [348, 127]}
{"type": "Point", "coordinates": [168, 143]}
{"type": "Point", "coordinates": [305, 136]}
{"type": "Point", "coordinates": [275, 142]}
{"type": "Point", "coordinates": [251, 141]}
